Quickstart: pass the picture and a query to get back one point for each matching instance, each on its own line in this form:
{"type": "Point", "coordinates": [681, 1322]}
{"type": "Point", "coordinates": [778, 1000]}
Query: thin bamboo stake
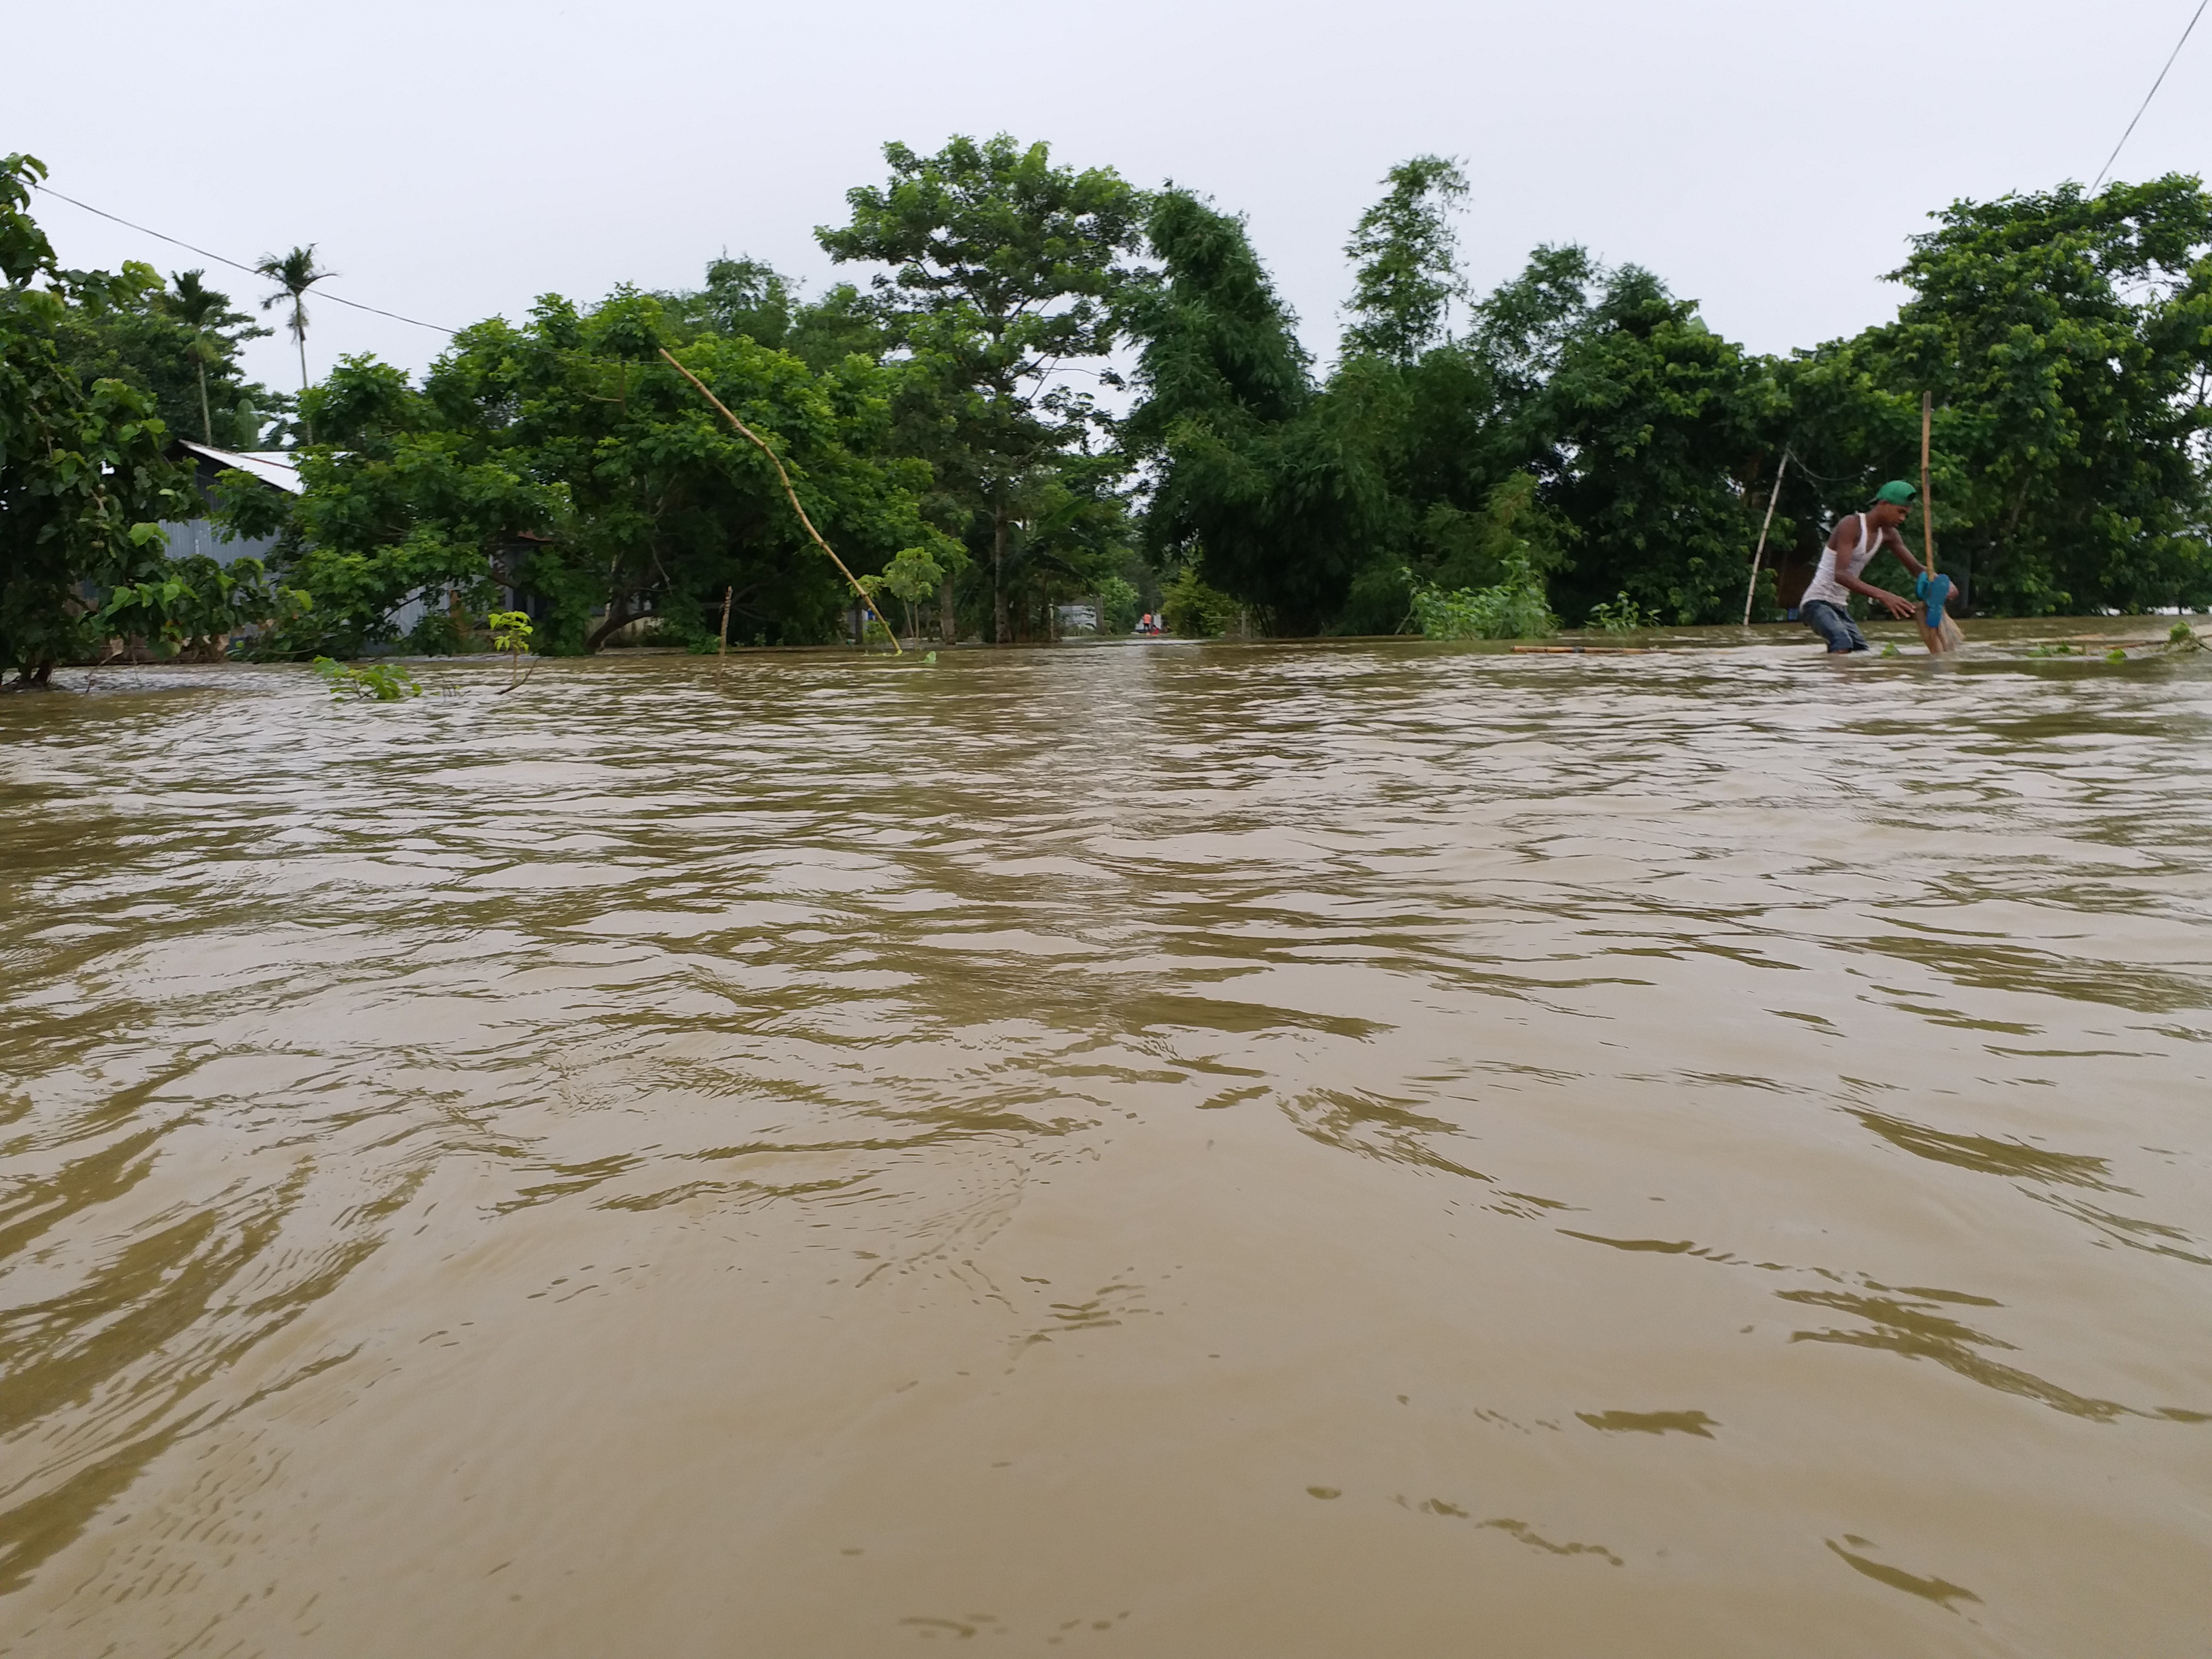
{"type": "Point", "coordinates": [1938, 640]}
{"type": "Point", "coordinates": [1759, 552]}
{"type": "Point", "coordinates": [723, 646]}
{"type": "Point", "coordinates": [867, 604]}
{"type": "Point", "coordinates": [1927, 500]}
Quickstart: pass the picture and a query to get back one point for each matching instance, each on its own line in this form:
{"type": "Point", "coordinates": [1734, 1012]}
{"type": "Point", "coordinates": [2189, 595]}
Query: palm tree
{"type": "Point", "coordinates": [198, 307]}
{"type": "Point", "coordinates": [294, 273]}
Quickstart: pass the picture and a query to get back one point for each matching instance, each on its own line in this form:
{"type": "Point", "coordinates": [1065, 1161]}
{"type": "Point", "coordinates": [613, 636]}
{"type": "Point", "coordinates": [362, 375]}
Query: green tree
{"type": "Point", "coordinates": [130, 327]}
{"type": "Point", "coordinates": [1323, 508]}
{"type": "Point", "coordinates": [215, 331]}
{"type": "Point", "coordinates": [83, 483]}
{"type": "Point", "coordinates": [294, 273]}
{"type": "Point", "coordinates": [1645, 435]}
{"type": "Point", "coordinates": [1276, 490]}
{"type": "Point", "coordinates": [2068, 341]}
{"type": "Point", "coordinates": [1404, 265]}
{"type": "Point", "coordinates": [911, 575]}
{"type": "Point", "coordinates": [1004, 270]}
{"type": "Point", "coordinates": [566, 460]}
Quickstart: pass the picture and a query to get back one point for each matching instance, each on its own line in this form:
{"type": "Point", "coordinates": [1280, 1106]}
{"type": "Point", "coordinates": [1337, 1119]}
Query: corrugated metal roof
{"type": "Point", "coordinates": [272, 466]}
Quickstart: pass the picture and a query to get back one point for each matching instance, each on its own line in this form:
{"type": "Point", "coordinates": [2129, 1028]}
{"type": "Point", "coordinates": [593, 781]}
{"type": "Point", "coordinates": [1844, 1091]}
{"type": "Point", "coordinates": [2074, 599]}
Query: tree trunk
{"type": "Point", "coordinates": [619, 614]}
{"type": "Point", "coordinates": [1001, 629]}
{"type": "Point", "coordinates": [948, 620]}
{"type": "Point", "coordinates": [207, 421]}
{"type": "Point", "coordinates": [299, 333]}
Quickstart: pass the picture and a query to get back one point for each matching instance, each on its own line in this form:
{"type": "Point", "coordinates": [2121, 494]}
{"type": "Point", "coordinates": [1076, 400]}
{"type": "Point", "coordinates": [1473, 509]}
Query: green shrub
{"type": "Point", "coordinates": [1192, 609]}
{"type": "Point", "coordinates": [1516, 609]}
{"type": "Point", "coordinates": [1622, 615]}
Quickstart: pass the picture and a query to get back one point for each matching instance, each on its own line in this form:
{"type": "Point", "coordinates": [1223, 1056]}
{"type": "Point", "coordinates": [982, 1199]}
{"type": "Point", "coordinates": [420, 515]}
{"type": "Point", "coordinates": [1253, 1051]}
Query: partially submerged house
{"type": "Point", "coordinates": [277, 468]}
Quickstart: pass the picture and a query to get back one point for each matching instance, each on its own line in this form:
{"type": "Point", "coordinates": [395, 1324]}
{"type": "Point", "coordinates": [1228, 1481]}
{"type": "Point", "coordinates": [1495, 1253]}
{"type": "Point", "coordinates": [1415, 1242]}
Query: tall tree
{"type": "Point", "coordinates": [1645, 433]}
{"type": "Point", "coordinates": [83, 484]}
{"type": "Point", "coordinates": [1273, 491]}
{"type": "Point", "coordinates": [294, 273]}
{"type": "Point", "coordinates": [196, 306]}
{"type": "Point", "coordinates": [1004, 269]}
{"type": "Point", "coordinates": [204, 312]}
{"type": "Point", "coordinates": [129, 327]}
{"type": "Point", "coordinates": [1404, 254]}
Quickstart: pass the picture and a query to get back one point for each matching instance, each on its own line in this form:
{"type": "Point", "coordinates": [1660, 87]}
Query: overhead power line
{"type": "Point", "coordinates": [235, 264]}
{"type": "Point", "coordinates": [2152, 93]}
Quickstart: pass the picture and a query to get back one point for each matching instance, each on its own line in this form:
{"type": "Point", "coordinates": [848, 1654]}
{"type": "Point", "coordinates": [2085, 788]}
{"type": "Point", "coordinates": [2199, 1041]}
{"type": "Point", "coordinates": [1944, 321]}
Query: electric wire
{"type": "Point", "coordinates": [251, 271]}
{"type": "Point", "coordinates": [2152, 93]}
{"type": "Point", "coordinates": [537, 346]}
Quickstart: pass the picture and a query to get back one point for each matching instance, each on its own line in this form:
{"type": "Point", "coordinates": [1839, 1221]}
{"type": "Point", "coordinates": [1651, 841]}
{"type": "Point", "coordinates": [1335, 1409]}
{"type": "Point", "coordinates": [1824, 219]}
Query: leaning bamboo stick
{"type": "Point", "coordinates": [1759, 552]}
{"type": "Point", "coordinates": [867, 604]}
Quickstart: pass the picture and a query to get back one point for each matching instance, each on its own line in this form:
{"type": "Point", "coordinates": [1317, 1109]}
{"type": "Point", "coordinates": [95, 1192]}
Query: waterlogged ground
{"type": "Point", "coordinates": [1159, 1151]}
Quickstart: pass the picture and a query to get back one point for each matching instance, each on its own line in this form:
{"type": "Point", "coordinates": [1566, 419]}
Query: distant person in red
{"type": "Point", "coordinates": [1825, 608]}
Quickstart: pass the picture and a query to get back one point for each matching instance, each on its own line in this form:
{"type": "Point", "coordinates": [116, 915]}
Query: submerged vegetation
{"type": "Point", "coordinates": [1515, 609]}
{"type": "Point", "coordinates": [1577, 444]}
{"type": "Point", "coordinates": [375, 681]}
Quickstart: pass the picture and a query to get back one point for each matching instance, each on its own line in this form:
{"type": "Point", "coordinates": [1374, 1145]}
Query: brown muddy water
{"type": "Point", "coordinates": [1172, 1150]}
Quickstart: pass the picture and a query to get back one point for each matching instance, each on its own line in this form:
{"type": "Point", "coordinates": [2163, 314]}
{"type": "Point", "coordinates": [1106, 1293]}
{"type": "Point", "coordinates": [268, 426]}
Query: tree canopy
{"type": "Point", "coordinates": [1004, 269]}
{"type": "Point", "coordinates": [1579, 441]}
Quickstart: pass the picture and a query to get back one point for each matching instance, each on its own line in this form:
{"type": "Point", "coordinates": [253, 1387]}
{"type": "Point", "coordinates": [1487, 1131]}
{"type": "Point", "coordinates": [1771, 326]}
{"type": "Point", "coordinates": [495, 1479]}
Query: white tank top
{"type": "Point", "coordinates": [1824, 584]}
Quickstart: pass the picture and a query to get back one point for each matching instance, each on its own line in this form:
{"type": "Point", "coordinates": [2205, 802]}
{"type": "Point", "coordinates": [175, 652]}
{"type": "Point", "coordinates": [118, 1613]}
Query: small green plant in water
{"type": "Point", "coordinates": [1891, 651]}
{"type": "Point", "coordinates": [2054, 650]}
{"type": "Point", "coordinates": [510, 635]}
{"type": "Point", "coordinates": [2183, 637]}
{"type": "Point", "coordinates": [2115, 655]}
{"type": "Point", "coordinates": [1622, 615]}
{"type": "Point", "coordinates": [375, 682]}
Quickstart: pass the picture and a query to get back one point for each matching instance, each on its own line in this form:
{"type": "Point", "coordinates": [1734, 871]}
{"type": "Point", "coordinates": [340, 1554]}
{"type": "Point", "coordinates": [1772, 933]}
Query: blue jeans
{"type": "Point", "coordinates": [1833, 624]}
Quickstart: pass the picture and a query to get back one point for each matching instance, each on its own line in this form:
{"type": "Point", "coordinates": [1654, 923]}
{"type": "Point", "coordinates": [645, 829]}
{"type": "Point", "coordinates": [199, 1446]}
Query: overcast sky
{"type": "Point", "coordinates": [453, 160]}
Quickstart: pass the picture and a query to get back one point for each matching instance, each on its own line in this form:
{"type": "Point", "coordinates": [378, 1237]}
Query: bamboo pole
{"type": "Point", "coordinates": [1927, 500]}
{"type": "Point", "coordinates": [1759, 552]}
{"type": "Point", "coordinates": [723, 646]}
{"type": "Point", "coordinates": [867, 604]}
{"type": "Point", "coordinates": [1946, 638]}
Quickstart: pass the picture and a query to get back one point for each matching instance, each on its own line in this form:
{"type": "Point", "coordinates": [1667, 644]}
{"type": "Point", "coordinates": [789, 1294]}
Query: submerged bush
{"type": "Point", "coordinates": [375, 682]}
{"type": "Point", "coordinates": [1622, 615]}
{"type": "Point", "coordinates": [1516, 609]}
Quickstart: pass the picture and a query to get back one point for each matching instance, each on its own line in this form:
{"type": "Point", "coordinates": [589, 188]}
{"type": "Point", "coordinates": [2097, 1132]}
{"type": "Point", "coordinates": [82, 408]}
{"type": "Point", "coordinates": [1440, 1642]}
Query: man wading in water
{"type": "Point", "coordinates": [1825, 608]}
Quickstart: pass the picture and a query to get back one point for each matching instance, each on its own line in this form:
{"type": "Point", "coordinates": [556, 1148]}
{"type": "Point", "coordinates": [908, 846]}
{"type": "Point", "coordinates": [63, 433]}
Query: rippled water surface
{"type": "Point", "coordinates": [1170, 1150]}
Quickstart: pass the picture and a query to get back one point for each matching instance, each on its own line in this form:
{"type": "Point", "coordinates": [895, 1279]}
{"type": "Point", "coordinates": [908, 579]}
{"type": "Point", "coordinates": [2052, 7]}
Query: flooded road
{"type": "Point", "coordinates": [1175, 1151]}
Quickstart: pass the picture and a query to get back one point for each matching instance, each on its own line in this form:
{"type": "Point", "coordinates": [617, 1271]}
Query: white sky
{"type": "Point", "coordinates": [453, 160]}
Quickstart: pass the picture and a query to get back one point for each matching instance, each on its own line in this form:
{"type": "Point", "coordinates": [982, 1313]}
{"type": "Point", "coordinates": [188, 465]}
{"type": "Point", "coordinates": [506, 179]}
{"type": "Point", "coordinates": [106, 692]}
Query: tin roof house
{"type": "Point", "coordinates": [277, 468]}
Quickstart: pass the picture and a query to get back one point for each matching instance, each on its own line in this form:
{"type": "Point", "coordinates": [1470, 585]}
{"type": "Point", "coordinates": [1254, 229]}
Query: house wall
{"type": "Point", "coordinates": [200, 537]}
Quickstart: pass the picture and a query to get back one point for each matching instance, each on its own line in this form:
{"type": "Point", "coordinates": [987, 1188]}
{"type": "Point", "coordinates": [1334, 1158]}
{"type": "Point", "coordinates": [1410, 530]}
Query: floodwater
{"type": "Point", "coordinates": [1380, 1149]}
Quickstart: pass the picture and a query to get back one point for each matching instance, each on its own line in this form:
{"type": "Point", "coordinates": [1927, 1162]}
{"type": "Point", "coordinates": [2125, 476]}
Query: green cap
{"type": "Point", "coordinates": [1896, 490]}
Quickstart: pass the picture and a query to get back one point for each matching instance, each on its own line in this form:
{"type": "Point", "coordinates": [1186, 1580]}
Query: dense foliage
{"type": "Point", "coordinates": [84, 483]}
{"type": "Point", "coordinates": [1578, 444]}
{"type": "Point", "coordinates": [566, 460]}
{"type": "Point", "coordinates": [1590, 424]}
{"type": "Point", "coordinates": [2068, 341]}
